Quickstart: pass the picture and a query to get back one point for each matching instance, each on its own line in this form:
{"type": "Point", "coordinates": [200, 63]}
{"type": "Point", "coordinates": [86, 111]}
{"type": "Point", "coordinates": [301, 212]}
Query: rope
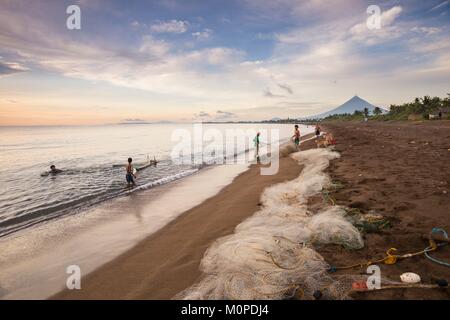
{"type": "Point", "coordinates": [326, 197]}
{"type": "Point", "coordinates": [444, 233]}
{"type": "Point", "coordinates": [390, 257]}
{"type": "Point", "coordinates": [401, 286]}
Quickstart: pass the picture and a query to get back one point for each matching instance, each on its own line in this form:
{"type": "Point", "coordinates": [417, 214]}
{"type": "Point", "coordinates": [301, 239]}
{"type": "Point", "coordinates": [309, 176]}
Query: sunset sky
{"type": "Point", "coordinates": [187, 60]}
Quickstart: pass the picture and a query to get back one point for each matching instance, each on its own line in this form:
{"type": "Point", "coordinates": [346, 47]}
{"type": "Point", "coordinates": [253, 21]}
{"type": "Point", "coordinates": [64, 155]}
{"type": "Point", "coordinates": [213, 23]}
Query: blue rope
{"type": "Point", "coordinates": [438, 230]}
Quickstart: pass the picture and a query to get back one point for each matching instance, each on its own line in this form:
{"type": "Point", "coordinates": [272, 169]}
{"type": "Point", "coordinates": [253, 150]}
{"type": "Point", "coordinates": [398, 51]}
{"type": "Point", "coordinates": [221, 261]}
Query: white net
{"type": "Point", "coordinates": [331, 226]}
{"type": "Point", "coordinates": [271, 254]}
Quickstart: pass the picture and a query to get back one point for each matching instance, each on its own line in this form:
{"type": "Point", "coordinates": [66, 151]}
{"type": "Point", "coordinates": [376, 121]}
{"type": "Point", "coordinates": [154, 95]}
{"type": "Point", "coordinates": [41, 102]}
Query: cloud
{"type": "Point", "coordinates": [267, 93]}
{"type": "Point", "coordinates": [388, 31]}
{"type": "Point", "coordinates": [285, 87]}
{"type": "Point", "coordinates": [216, 56]}
{"type": "Point", "coordinates": [389, 16]}
{"type": "Point", "coordinates": [7, 68]}
{"type": "Point", "coordinates": [153, 47]}
{"type": "Point", "coordinates": [426, 30]}
{"type": "Point", "coordinates": [135, 120]}
{"type": "Point", "coordinates": [202, 35]}
{"type": "Point", "coordinates": [202, 116]}
{"type": "Point", "coordinates": [222, 115]}
{"type": "Point", "coordinates": [171, 26]}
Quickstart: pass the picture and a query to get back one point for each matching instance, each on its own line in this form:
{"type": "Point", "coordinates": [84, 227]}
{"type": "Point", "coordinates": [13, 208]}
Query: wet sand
{"type": "Point", "coordinates": [168, 261]}
{"type": "Point", "coordinates": [402, 171]}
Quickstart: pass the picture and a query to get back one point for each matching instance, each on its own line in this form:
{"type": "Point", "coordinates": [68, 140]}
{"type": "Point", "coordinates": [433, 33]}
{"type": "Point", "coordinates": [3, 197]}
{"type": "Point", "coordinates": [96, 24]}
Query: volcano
{"type": "Point", "coordinates": [352, 105]}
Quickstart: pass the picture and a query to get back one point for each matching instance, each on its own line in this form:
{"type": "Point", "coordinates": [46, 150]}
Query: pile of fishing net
{"type": "Point", "coordinates": [271, 254]}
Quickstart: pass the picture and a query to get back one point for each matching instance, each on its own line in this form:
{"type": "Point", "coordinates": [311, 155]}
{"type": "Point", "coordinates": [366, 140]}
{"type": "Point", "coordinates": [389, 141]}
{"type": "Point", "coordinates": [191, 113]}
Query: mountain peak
{"type": "Point", "coordinates": [356, 98]}
{"type": "Point", "coordinates": [350, 106]}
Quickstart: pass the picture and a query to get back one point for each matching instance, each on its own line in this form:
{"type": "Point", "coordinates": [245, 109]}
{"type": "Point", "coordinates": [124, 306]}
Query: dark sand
{"type": "Point", "coordinates": [402, 171]}
{"type": "Point", "coordinates": [167, 262]}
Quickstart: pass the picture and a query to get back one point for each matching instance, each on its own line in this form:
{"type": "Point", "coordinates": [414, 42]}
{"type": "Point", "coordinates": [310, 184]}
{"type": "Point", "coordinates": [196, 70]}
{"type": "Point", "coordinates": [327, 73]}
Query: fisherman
{"type": "Point", "coordinates": [53, 170]}
{"type": "Point", "coordinates": [296, 136]}
{"type": "Point", "coordinates": [317, 130]}
{"type": "Point", "coordinates": [130, 173]}
{"type": "Point", "coordinates": [257, 142]}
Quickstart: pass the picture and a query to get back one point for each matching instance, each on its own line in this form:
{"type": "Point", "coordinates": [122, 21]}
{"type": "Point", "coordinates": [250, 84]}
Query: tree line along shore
{"type": "Point", "coordinates": [426, 108]}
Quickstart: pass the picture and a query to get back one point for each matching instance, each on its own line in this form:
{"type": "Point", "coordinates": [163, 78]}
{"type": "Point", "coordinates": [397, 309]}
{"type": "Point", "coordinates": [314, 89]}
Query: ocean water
{"type": "Point", "coordinates": [88, 156]}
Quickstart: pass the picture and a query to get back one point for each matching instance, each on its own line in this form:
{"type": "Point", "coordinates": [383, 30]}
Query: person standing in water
{"type": "Point", "coordinates": [130, 173]}
{"type": "Point", "coordinates": [296, 136]}
{"type": "Point", "coordinates": [256, 141]}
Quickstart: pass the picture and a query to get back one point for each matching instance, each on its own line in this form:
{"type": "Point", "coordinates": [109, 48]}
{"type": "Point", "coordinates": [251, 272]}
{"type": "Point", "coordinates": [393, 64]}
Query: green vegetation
{"type": "Point", "coordinates": [377, 111]}
{"type": "Point", "coordinates": [420, 108]}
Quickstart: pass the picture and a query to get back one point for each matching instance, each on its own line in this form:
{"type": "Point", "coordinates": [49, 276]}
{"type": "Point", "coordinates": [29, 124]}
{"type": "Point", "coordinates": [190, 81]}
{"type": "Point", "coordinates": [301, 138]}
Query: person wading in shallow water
{"type": "Point", "coordinates": [53, 170]}
{"type": "Point", "coordinates": [130, 173]}
{"type": "Point", "coordinates": [296, 136]}
{"type": "Point", "coordinates": [257, 142]}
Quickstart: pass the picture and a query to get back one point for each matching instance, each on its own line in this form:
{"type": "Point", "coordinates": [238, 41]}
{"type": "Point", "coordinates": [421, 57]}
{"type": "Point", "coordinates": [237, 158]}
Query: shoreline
{"type": "Point", "coordinates": [167, 262]}
{"type": "Point", "coordinates": [34, 261]}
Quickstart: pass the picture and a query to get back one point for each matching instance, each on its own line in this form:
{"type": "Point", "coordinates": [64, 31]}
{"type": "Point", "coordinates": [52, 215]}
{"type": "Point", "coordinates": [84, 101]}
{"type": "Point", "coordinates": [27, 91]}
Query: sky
{"type": "Point", "coordinates": [211, 60]}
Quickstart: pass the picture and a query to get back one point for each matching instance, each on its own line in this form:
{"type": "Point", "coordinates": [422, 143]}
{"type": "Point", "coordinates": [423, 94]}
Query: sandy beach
{"type": "Point", "coordinates": [399, 170]}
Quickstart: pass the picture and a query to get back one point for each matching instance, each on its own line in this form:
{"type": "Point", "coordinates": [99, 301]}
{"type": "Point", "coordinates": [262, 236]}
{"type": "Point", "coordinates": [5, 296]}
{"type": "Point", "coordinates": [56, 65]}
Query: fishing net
{"type": "Point", "coordinates": [370, 222]}
{"type": "Point", "coordinates": [271, 254]}
{"type": "Point", "coordinates": [331, 226]}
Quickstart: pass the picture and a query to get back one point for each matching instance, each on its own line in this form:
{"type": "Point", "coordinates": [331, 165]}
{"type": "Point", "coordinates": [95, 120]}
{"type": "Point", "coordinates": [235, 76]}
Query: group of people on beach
{"type": "Point", "coordinates": [295, 138]}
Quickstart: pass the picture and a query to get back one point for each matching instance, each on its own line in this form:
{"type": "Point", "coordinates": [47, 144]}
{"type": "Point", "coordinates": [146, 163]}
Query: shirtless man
{"type": "Point", "coordinates": [53, 171]}
{"type": "Point", "coordinates": [296, 136]}
{"type": "Point", "coordinates": [130, 173]}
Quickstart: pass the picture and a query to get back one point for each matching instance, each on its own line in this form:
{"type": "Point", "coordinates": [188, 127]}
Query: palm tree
{"type": "Point", "coordinates": [426, 100]}
{"type": "Point", "coordinates": [377, 111]}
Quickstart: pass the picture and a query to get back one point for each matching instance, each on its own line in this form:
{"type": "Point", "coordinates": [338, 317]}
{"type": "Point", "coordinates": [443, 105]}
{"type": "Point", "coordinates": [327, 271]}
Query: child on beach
{"type": "Point", "coordinates": [296, 136]}
{"type": "Point", "coordinates": [130, 174]}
